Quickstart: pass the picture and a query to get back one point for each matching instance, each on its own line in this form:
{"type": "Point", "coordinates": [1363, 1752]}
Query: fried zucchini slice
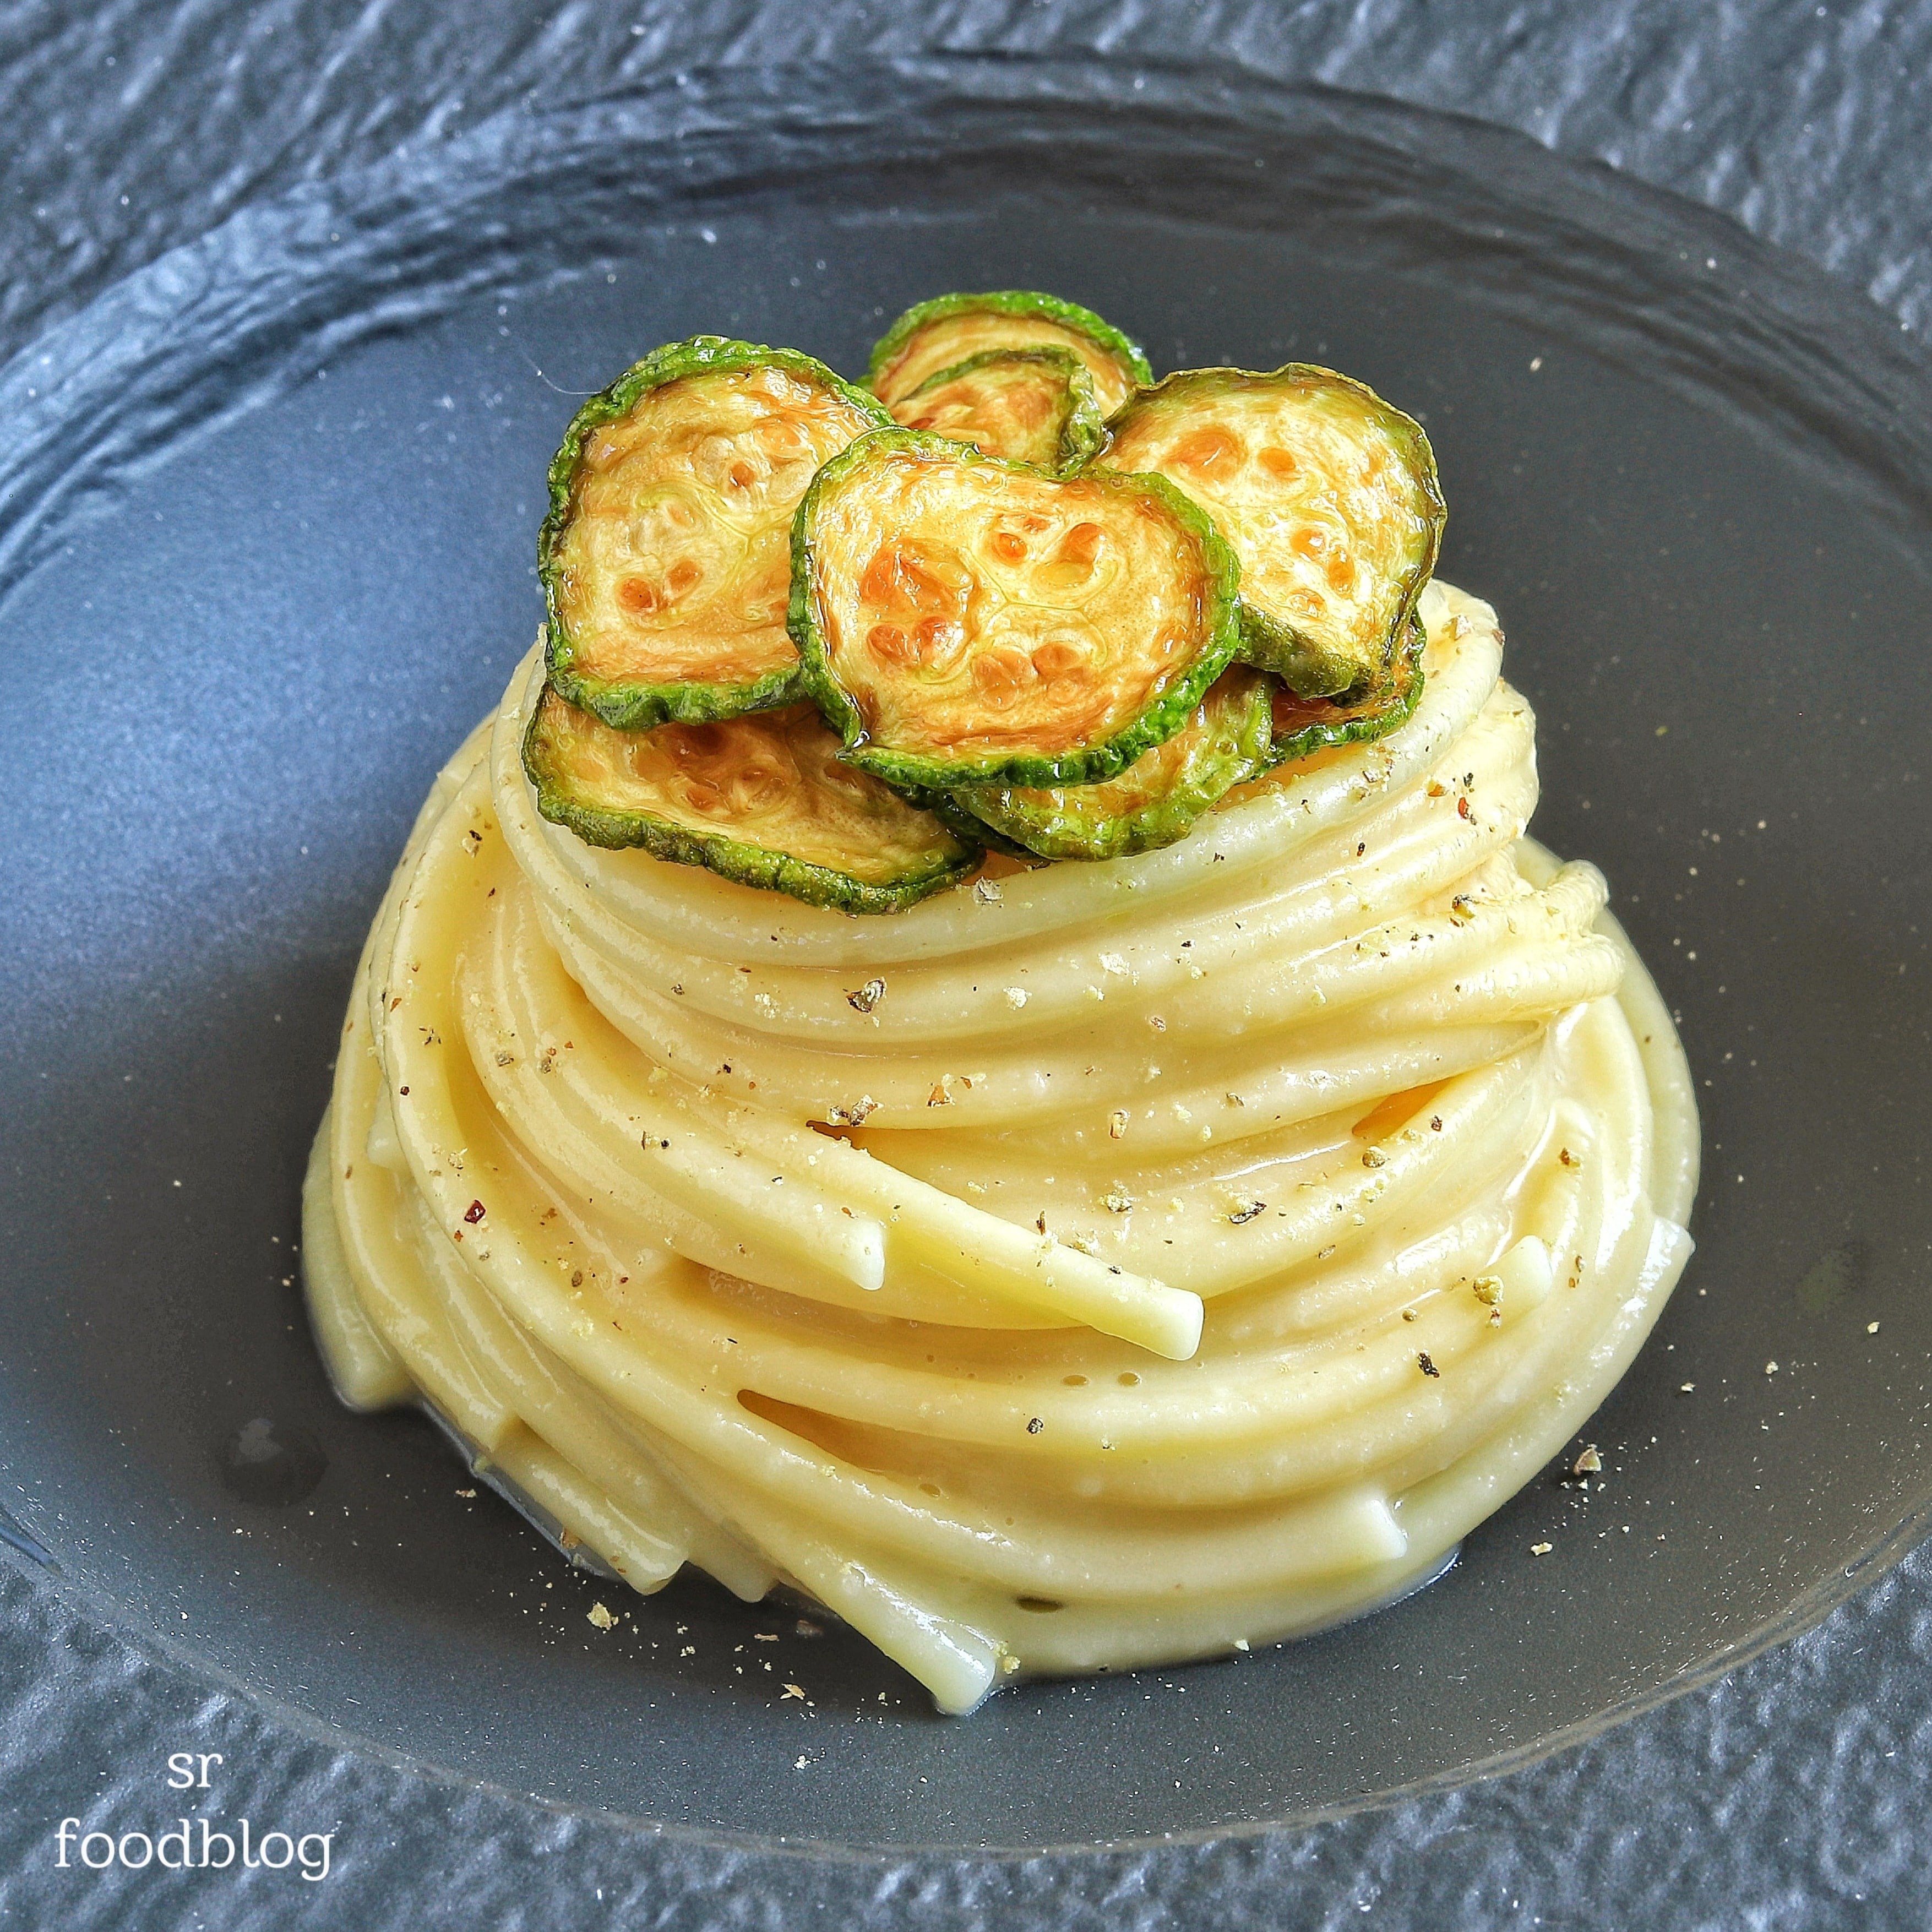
{"type": "Point", "coordinates": [762, 798]}
{"type": "Point", "coordinates": [1159, 795]}
{"type": "Point", "coordinates": [948, 809]}
{"type": "Point", "coordinates": [666, 558]}
{"type": "Point", "coordinates": [1302, 726]}
{"type": "Point", "coordinates": [964, 620]}
{"type": "Point", "coordinates": [942, 333]}
{"type": "Point", "coordinates": [1329, 496]}
{"type": "Point", "coordinates": [1033, 405]}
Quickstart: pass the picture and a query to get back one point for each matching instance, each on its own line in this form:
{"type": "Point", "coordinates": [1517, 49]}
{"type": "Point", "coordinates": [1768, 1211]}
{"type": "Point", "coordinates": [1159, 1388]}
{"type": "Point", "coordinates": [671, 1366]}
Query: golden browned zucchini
{"type": "Point", "coordinates": [1328, 495]}
{"type": "Point", "coordinates": [943, 332]}
{"type": "Point", "coordinates": [1033, 405]}
{"type": "Point", "coordinates": [964, 620]}
{"type": "Point", "coordinates": [666, 558]}
{"type": "Point", "coordinates": [762, 798]}
{"type": "Point", "coordinates": [1159, 795]}
{"type": "Point", "coordinates": [1304, 725]}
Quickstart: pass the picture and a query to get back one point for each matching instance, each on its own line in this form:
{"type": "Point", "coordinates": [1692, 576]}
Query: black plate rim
{"type": "Point", "coordinates": [1805, 1613]}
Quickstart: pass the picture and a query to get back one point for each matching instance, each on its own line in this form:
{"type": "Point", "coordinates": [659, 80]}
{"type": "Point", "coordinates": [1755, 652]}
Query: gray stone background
{"type": "Point", "coordinates": [1790, 1795]}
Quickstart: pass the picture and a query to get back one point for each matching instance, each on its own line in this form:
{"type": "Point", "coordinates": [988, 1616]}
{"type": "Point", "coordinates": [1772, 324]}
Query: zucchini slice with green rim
{"type": "Point", "coordinates": [762, 798]}
{"type": "Point", "coordinates": [1033, 405]}
{"type": "Point", "coordinates": [1160, 795]}
{"type": "Point", "coordinates": [964, 620]}
{"type": "Point", "coordinates": [950, 811]}
{"type": "Point", "coordinates": [1302, 726]}
{"type": "Point", "coordinates": [666, 558]}
{"type": "Point", "coordinates": [941, 334]}
{"type": "Point", "coordinates": [1329, 495]}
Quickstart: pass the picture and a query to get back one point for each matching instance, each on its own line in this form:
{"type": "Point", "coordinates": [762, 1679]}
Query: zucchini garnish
{"type": "Point", "coordinates": [1033, 405]}
{"type": "Point", "coordinates": [1013, 637]}
{"type": "Point", "coordinates": [665, 558]}
{"type": "Point", "coordinates": [1302, 726]}
{"type": "Point", "coordinates": [940, 334]}
{"type": "Point", "coordinates": [1329, 495]}
{"type": "Point", "coordinates": [964, 620]}
{"type": "Point", "coordinates": [763, 799]}
{"type": "Point", "coordinates": [1160, 795]}
{"type": "Point", "coordinates": [951, 810]}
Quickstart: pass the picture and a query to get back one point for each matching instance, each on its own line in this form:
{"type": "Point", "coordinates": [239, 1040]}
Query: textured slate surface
{"type": "Point", "coordinates": [1785, 1797]}
{"type": "Point", "coordinates": [131, 127]}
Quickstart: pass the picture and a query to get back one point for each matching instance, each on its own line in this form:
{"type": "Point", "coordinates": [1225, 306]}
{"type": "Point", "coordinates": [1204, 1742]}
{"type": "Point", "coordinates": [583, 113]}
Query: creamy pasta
{"type": "Point", "coordinates": [1096, 1264]}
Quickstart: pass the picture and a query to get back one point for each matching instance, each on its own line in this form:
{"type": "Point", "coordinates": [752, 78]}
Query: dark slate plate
{"type": "Point", "coordinates": [268, 513]}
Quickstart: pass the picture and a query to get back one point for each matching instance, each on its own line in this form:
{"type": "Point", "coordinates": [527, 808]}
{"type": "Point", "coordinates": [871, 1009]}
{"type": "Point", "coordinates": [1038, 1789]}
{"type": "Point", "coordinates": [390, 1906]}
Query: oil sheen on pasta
{"type": "Point", "coordinates": [1095, 1265]}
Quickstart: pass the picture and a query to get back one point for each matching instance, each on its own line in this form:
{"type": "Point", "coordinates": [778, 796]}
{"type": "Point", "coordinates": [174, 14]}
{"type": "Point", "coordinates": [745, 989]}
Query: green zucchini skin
{"type": "Point", "coordinates": [1331, 573]}
{"type": "Point", "coordinates": [1071, 436]}
{"type": "Point", "coordinates": [1213, 601]}
{"type": "Point", "coordinates": [1302, 727]}
{"type": "Point", "coordinates": [952, 811]}
{"type": "Point", "coordinates": [1011, 319]}
{"type": "Point", "coordinates": [1157, 798]}
{"type": "Point", "coordinates": [635, 705]}
{"type": "Point", "coordinates": [1304, 668]}
{"type": "Point", "coordinates": [622, 789]}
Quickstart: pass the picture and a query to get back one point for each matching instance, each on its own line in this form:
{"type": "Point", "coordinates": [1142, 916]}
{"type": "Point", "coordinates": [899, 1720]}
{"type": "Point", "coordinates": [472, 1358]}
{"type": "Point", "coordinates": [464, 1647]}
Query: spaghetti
{"type": "Point", "coordinates": [1095, 1265]}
